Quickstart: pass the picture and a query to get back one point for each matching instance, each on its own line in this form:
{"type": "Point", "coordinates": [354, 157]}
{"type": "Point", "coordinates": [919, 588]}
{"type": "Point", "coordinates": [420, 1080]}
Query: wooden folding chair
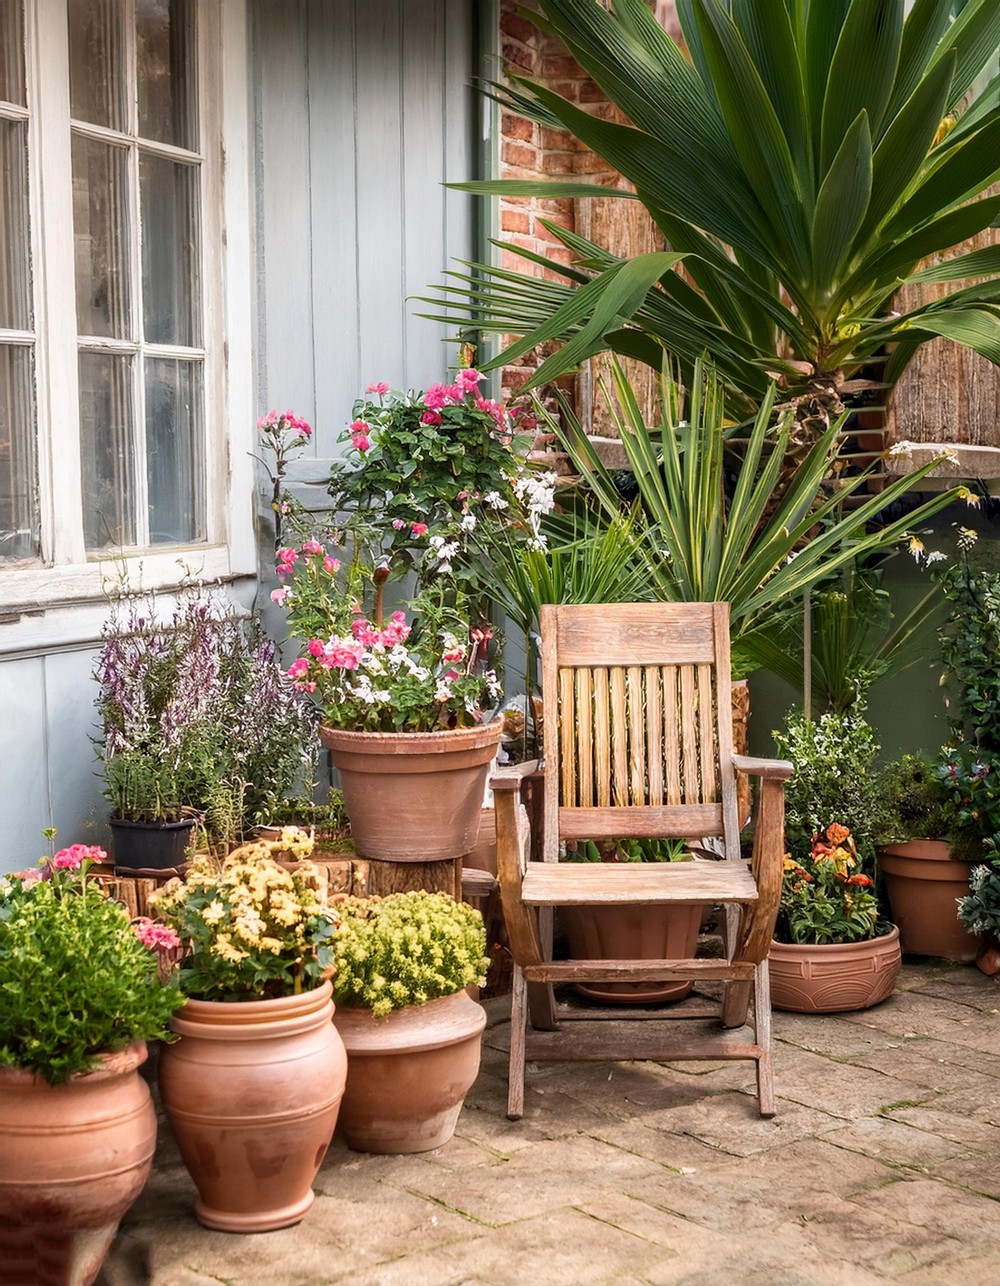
{"type": "Point", "coordinates": [637, 739]}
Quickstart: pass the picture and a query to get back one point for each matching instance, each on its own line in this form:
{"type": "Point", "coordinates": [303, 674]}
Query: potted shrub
{"type": "Point", "coordinates": [831, 951]}
{"type": "Point", "coordinates": [80, 994]}
{"type": "Point", "coordinates": [253, 1085]}
{"type": "Point", "coordinates": [411, 1030]}
{"type": "Point", "coordinates": [198, 723]}
{"type": "Point", "coordinates": [979, 911]}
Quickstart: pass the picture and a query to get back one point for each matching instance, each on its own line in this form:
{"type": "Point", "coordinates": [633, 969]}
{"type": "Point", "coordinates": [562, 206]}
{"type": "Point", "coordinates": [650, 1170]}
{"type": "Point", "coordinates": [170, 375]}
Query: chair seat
{"type": "Point", "coordinates": [643, 883]}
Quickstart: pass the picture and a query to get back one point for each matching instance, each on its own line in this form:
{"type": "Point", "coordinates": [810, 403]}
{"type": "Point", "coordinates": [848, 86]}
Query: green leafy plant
{"type": "Point", "coordinates": [249, 927]}
{"type": "Point", "coordinates": [76, 981]}
{"type": "Point", "coordinates": [406, 949]}
{"type": "Point", "coordinates": [748, 542]}
{"type": "Point", "coordinates": [825, 897]}
{"type": "Point", "coordinates": [979, 910]}
{"type": "Point", "coordinates": [799, 166]}
{"type": "Point", "coordinates": [835, 775]}
{"type": "Point", "coordinates": [628, 850]}
{"type": "Point", "coordinates": [917, 802]}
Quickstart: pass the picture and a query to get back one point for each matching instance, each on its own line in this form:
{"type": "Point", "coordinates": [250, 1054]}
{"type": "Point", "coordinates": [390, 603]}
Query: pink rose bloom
{"type": "Point", "coordinates": [398, 524]}
{"type": "Point", "coordinates": [381, 388]}
{"type": "Point", "coordinates": [268, 421]}
{"type": "Point", "coordinates": [360, 441]}
{"type": "Point", "coordinates": [451, 676]}
{"type": "Point", "coordinates": [292, 421]}
{"type": "Point", "coordinates": [155, 935]}
{"type": "Point", "coordinates": [312, 547]}
{"type": "Point", "coordinates": [288, 557]}
{"type": "Point", "coordinates": [281, 571]}
{"type": "Point", "coordinates": [365, 633]}
{"type": "Point", "coordinates": [455, 654]}
{"type": "Point", "coordinates": [455, 392]}
{"type": "Point", "coordinates": [435, 397]}
{"type": "Point", "coordinates": [399, 617]}
{"type": "Point", "coordinates": [30, 877]}
{"type": "Point", "coordinates": [491, 408]}
{"type": "Point", "coordinates": [316, 647]}
{"type": "Point", "coordinates": [430, 417]}
{"type": "Point", "coordinates": [343, 657]}
{"type": "Point", "coordinates": [331, 565]}
{"type": "Point", "coordinates": [418, 528]}
{"type": "Point", "coordinates": [298, 668]}
{"type": "Point", "coordinates": [469, 378]}
{"type": "Point", "coordinates": [278, 596]}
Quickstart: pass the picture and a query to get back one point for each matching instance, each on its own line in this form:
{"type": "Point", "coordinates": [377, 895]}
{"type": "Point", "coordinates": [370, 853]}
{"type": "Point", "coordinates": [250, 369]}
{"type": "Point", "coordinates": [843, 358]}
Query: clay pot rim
{"type": "Point", "coordinates": [112, 1064]}
{"type": "Point", "coordinates": [363, 1033]}
{"type": "Point", "coordinates": [243, 1019]}
{"type": "Point", "coordinates": [428, 742]}
{"type": "Point", "coordinates": [844, 948]}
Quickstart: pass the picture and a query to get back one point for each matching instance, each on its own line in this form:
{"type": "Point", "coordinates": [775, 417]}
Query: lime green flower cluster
{"type": "Point", "coordinates": [251, 928]}
{"type": "Point", "coordinates": [406, 949]}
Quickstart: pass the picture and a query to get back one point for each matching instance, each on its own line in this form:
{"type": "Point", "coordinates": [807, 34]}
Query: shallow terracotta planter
{"type": "Point", "coordinates": [73, 1158]}
{"type": "Point", "coordinates": [632, 933]}
{"type": "Point", "coordinates": [924, 885]}
{"type": "Point", "coordinates": [252, 1090]}
{"type": "Point", "coordinates": [408, 1073]}
{"type": "Point", "coordinates": [414, 796]}
{"type": "Point", "coordinates": [834, 978]}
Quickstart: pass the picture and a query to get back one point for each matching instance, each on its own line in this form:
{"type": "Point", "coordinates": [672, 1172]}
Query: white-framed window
{"type": "Point", "coordinates": [115, 259]}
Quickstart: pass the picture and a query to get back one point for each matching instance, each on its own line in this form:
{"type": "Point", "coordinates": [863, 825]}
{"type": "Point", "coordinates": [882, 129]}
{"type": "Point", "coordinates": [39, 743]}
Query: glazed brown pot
{"type": "Point", "coordinates": [924, 885]}
{"type": "Point", "coordinates": [632, 933]}
{"type": "Point", "coordinates": [408, 1073]}
{"type": "Point", "coordinates": [413, 796]}
{"type": "Point", "coordinates": [252, 1090]}
{"type": "Point", "coordinates": [73, 1158]}
{"type": "Point", "coordinates": [833, 978]}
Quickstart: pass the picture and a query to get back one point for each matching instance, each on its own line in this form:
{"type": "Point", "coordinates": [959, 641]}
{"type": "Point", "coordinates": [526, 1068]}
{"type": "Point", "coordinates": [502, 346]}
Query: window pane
{"type": "Point", "coordinates": [15, 293]}
{"type": "Point", "coordinates": [170, 289]}
{"type": "Point", "coordinates": [175, 466]}
{"type": "Point", "coordinates": [107, 449]}
{"type": "Point", "coordinates": [100, 226]}
{"type": "Point", "coordinates": [96, 79]}
{"type": "Point", "coordinates": [12, 52]}
{"type": "Point", "coordinates": [164, 42]}
{"type": "Point", "coordinates": [19, 522]}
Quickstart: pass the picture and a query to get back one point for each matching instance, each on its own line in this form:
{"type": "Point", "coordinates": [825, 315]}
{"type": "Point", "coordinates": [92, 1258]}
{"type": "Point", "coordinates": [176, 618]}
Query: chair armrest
{"type": "Point", "coordinates": [511, 776]}
{"type": "Point", "coordinates": [769, 769]}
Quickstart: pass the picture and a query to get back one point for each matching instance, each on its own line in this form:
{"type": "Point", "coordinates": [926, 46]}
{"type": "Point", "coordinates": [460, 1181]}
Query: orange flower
{"type": "Point", "coordinates": [837, 834]}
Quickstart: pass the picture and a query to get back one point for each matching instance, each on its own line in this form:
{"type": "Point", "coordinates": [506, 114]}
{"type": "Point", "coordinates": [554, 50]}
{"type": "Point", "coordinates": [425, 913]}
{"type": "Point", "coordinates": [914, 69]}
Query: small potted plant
{"type": "Point", "coordinates": [411, 1030]}
{"type": "Point", "coordinates": [253, 1085]}
{"type": "Point", "coordinates": [979, 911]}
{"type": "Point", "coordinates": [832, 952]}
{"type": "Point", "coordinates": [80, 994]}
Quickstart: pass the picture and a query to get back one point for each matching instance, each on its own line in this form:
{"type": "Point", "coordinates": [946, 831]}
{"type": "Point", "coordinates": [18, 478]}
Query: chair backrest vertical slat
{"type": "Point", "coordinates": [654, 734]}
{"type": "Point", "coordinates": [724, 726]}
{"type": "Point", "coordinates": [689, 734]}
{"type": "Point", "coordinates": [567, 739]}
{"type": "Point", "coordinates": [636, 726]}
{"type": "Point", "coordinates": [585, 738]}
{"type": "Point", "coordinates": [602, 737]}
{"type": "Point", "coordinates": [619, 739]}
{"type": "Point", "coordinates": [708, 750]}
{"type": "Point", "coordinates": [671, 742]}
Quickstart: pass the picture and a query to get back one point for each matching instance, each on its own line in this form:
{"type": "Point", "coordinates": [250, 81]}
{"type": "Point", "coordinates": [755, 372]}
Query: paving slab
{"type": "Point", "coordinates": [882, 1166]}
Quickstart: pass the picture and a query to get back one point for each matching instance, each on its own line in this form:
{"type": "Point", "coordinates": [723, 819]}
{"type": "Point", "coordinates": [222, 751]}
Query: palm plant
{"type": "Point", "coordinates": [799, 166]}
{"type": "Point", "coordinates": [758, 542]}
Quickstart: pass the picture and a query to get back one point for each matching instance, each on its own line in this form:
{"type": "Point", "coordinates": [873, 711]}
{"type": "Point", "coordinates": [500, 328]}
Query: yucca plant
{"type": "Point", "coordinates": [801, 164]}
{"type": "Point", "coordinates": [759, 541]}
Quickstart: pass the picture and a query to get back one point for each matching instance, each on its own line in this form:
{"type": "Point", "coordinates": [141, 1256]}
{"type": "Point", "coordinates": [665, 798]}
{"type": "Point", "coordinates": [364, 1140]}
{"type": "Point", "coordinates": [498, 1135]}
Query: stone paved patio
{"type": "Point", "coordinates": [883, 1165]}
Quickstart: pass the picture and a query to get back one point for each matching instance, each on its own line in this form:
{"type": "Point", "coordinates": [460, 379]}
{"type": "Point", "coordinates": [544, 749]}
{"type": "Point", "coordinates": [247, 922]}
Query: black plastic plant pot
{"type": "Point", "coordinates": [149, 846]}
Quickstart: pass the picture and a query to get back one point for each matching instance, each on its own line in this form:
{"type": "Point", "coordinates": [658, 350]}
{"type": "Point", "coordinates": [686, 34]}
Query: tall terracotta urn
{"type": "Point", "coordinates": [414, 796]}
{"type": "Point", "coordinates": [924, 884]}
{"type": "Point", "coordinates": [409, 1072]}
{"type": "Point", "coordinates": [252, 1090]}
{"type": "Point", "coordinates": [836, 977]}
{"type": "Point", "coordinates": [73, 1158]}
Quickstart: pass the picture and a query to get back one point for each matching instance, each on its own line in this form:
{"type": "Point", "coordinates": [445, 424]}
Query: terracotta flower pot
{"type": "Point", "coordinates": [632, 933]}
{"type": "Point", "coordinates": [252, 1091]}
{"type": "Point", "coordinates": [73, 1158]}
{"type": "Point", "coordinates": [833, 978]}
{"type": "Point", "coordinates": [924, 885]}
{"type": "Point", "coordinates": [408, 1073]}
{"type": "Point", "coordinates": [413, 796]}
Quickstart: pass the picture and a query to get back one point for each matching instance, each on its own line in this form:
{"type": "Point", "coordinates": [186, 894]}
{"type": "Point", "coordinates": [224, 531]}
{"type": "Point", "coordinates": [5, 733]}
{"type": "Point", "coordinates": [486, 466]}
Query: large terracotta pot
{"type": "Point", "coordinates": [408, 1073]}
{"type": "Point", "coordinates": [924, 885]}
{"type": "Point", "coordinates": [252, 1090]}
{"type": "Point", "coordinates": [73, 1158]}
{"type": "Point", "coordinates": [413, 796]}
{"type": "Point", "coordinates": [632, 933]}
{"type": "Point", "coordinates": [833, 978]}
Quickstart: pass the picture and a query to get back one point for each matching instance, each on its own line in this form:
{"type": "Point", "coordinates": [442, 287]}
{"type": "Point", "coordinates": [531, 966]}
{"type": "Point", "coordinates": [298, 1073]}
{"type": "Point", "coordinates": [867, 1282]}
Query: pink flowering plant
{"type": "Point", "coordinates": [283, 434]}
{"type": "Point", "coordinates": [77, 979]}
{"type": "Point", "coordinates": [429, 477]}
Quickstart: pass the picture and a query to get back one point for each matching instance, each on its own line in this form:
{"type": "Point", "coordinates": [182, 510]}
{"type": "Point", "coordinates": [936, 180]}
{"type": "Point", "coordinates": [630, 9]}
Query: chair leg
{"type": "Point", "coordinates": [518, 1035]}
{"type": "Point", "coordinates": [762, 1035]}
{"type": "Point", "coordinates": [735, 1003]}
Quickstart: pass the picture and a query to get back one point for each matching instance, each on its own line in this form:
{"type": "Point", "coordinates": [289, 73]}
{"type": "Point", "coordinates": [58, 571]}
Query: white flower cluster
{"type": "Point", "coordinates": [444, 551]}
{"type": "Point", "coordinates": [537, 492]}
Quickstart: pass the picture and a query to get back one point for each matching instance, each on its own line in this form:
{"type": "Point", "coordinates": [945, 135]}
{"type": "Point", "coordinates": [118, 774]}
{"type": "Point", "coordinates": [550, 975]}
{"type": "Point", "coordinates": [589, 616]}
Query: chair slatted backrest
{"type": "Point", "coordinates": [641, 740]}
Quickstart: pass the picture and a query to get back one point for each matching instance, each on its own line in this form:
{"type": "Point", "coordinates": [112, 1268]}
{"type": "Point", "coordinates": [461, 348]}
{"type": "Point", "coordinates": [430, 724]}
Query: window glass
{"type": "Point", "coordinates": [169, 195]}
{"type": "Point", "coordinates": [100, 223]}
{"type": "Point", "coordinates": [107, 449]}
{"type": "Point", "coordinates": [96, 79]}
{"type": "Point", "coordinates": [175, 468]}
{"type": "Point", "coordinates": [165, 58]}
{"type": "Point", "coordinates": [15, 293]}
{"type": "Point", "coordinates": [19, 523]}
{"type": "Point", "coordinates": [12, 52]}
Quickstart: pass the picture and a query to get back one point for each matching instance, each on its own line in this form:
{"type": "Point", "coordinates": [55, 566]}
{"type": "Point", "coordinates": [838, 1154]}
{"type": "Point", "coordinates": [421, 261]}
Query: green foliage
{"type": "Point", "coordinates": [628, 850]}
{"type": "Point", "coordinates": [799, 168]}
{"type": "Point", "coordinates": [747, 543]}
{"type": "Point", "coordinates": [250, 928]}
{"type": "Point", "coordinates": [406, 949]}
{"type": "Point", "coordinates": [75, 981]}
{"type": "Point", "coordinates": [917, 802]}
{"type": "Point", "coordinates": [824, 897]}
{"type": "Point", "coordinates": [979, 910]}
{"type": "Point", "coordinates": [834, 758]}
